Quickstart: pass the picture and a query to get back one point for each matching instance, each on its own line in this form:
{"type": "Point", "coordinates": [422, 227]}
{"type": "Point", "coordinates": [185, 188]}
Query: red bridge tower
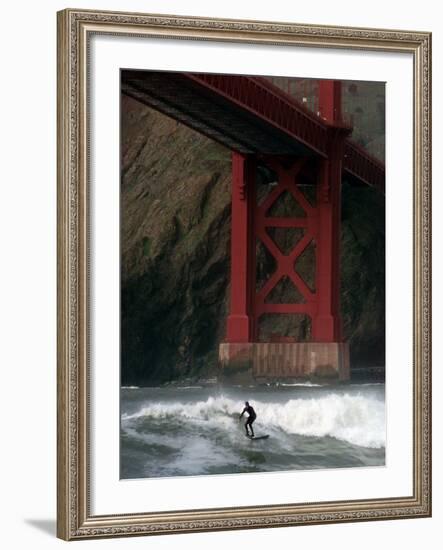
{"type": "Point", "coordinates": [325, 355]}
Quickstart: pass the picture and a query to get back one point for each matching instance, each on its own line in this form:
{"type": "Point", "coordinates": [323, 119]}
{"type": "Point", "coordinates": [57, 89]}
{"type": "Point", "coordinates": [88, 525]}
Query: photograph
{"type": "Point", "coordinates": [252, 274]}
{"type": "Point", "coordinates": [220, 236]}
{"type": "Point", "coordinates": [243, 274]}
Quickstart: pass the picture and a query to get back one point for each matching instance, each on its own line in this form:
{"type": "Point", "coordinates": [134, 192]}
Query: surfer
{"type": "Point", "coordinates": [252, 416]}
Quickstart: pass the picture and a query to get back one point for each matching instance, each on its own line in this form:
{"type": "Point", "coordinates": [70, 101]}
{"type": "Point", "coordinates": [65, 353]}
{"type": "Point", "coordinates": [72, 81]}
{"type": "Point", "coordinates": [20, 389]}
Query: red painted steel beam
{"type": "Point", "coordinates": [268, 102]}
{"type": "Point", "coordinates": [329, 101]}
{"type": "Point", "coordinates": [264, 100]}
{"type": "Point", "coordinates": [307, 309]}
{"type": "Point", "coordinates": [321, 224]}
{"type": "Point", "coordinates": [282, 222]}
{"type": "Point", "coordinates": [363, 166]}
{"type": "Point", "coordinates": [285, 262]}
{"type": "Point", "coordinates": [327, 326]}
{"type": "Point", "coordinates": [240, 322]}
{"type": "Point", "coordinates": [262, 105]}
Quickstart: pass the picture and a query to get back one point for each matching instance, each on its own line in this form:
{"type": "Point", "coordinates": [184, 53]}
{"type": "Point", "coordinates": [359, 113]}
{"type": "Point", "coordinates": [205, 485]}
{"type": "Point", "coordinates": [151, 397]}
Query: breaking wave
{"type": "Point", "coordinates": [357, 419]}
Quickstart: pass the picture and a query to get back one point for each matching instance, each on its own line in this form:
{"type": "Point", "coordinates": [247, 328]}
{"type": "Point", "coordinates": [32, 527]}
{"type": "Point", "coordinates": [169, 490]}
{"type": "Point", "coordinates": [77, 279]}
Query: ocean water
{"type": "Point", "coordinates": [195, 430]}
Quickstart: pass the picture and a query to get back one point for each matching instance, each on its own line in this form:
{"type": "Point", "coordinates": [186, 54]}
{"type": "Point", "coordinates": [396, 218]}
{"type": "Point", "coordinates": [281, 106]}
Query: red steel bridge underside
{"type": "Point", "coordinates": [262, 125]}
{"type": "Point", "coordinates": [248, 115]}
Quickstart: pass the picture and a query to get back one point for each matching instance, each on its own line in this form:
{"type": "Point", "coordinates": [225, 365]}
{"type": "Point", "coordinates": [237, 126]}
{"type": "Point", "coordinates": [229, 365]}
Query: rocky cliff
{"type": "Point", "coordinates": [175, 239]}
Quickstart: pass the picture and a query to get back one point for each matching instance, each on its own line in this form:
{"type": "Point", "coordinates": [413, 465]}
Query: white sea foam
{"type": "Point", "coordinates": [300, 384]}
{"type": "Point", "coordinates": [358, 419]}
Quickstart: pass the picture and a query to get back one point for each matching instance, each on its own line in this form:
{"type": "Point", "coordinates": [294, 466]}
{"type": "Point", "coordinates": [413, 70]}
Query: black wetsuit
{"type": "Point", "coordinates": [250, 420]}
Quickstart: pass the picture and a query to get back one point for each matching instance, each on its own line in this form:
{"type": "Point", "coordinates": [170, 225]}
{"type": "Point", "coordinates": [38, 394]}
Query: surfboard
{"type": "Point", "coordinates": [256, 438]}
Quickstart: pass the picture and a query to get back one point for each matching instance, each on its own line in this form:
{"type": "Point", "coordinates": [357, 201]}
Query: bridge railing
{"type": "Point", "coordinates": [365, 167]}
{"type": "Point", "coordinates": [262, 98]}
{"type": "Point", "coordinates": [305, 91]}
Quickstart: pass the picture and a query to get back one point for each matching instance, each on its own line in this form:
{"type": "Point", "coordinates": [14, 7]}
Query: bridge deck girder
{"type": "Point", "coordinates": [248, 115]}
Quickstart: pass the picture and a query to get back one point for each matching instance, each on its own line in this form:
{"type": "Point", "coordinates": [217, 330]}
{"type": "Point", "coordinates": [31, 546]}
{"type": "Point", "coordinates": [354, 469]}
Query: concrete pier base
{"type": "Point", "coordinates": [269, 361]}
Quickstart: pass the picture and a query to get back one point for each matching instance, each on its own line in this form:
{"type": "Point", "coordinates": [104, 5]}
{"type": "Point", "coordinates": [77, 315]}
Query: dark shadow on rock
{"type": "Point", "coordinates": [48, 526]}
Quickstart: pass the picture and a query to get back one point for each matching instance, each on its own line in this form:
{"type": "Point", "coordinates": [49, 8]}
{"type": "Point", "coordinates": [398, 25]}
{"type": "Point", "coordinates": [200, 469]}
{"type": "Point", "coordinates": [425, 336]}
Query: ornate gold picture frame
{"type": "Point", "coordinates": [75, 517]}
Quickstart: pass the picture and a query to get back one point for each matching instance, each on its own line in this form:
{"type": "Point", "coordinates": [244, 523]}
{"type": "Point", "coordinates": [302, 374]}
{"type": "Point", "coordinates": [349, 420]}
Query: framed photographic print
{"type": "Point", "coordinates": [243, 274]}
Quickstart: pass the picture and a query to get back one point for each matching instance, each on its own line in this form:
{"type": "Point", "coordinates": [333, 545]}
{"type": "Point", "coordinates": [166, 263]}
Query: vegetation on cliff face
{"type": "Point", "coordinates": [175, 238]}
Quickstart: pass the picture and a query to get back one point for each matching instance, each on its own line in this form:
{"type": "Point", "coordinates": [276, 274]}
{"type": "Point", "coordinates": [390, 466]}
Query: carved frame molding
{"type": "Point", "coordinates": [74, 520]}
